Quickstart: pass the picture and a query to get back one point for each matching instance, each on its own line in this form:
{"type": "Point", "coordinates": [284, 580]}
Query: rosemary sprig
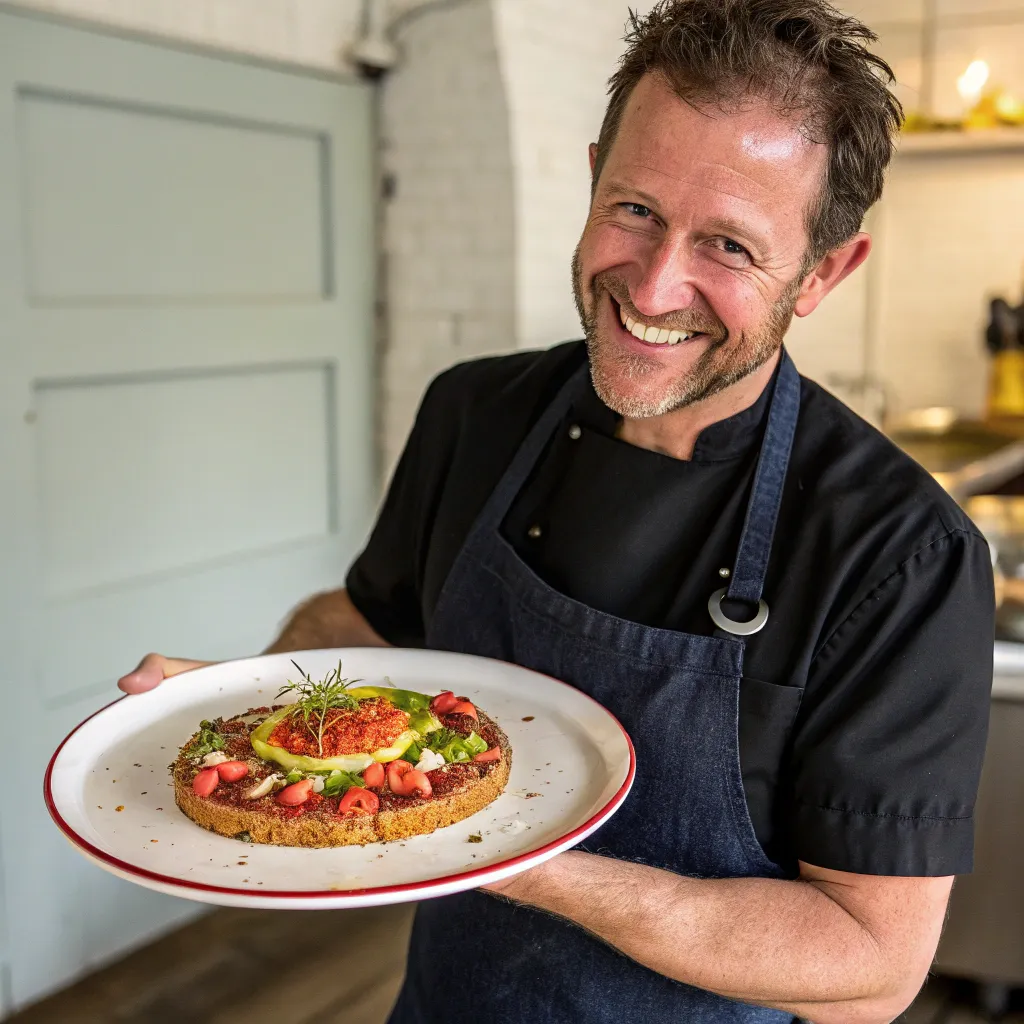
{"type": "Point", "coordinates": [317, 698]}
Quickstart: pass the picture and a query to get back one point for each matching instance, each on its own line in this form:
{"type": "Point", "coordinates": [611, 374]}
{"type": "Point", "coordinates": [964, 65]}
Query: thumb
{"type": "Point", "coordinates": [153, 670]}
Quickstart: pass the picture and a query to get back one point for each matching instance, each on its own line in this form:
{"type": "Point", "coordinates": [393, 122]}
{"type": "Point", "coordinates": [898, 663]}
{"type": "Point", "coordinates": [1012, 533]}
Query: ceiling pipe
{"type": "Point", "coordinates": [373, 53]}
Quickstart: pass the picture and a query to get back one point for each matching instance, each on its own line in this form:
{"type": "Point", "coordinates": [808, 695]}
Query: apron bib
{"type": "Point", "coordinates": [475, 958]}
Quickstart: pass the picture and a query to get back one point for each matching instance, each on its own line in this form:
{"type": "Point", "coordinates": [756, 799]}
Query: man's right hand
{"type": "Point", "coordinates": [153, 670]}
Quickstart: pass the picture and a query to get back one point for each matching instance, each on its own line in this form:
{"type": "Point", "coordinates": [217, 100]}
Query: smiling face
{"type": "Point", "coordinates": [695, 243]}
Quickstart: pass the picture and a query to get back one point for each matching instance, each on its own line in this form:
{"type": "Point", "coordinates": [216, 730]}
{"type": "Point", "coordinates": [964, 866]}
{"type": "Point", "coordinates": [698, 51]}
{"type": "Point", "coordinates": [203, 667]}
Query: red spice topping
{"type": "Point", "coordinates": [377, 723]}
{"type": "Point", "coordinates": [452, 777]}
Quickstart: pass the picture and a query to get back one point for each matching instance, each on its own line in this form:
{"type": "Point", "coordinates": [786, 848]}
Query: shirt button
{"type": "Point", "coordinates": [534, 532]}
{"type": "Point", "coordinates": [575, 433]}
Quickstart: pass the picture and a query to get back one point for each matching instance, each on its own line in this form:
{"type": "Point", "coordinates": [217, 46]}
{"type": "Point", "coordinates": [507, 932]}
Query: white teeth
{"type": "Point", "coordinates": [652, 335]}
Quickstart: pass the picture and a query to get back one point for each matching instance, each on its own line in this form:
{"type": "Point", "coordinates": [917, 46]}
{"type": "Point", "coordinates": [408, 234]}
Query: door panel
{"type": "Point", "coordinates": [148, 172]}
{"type": "Point", "coordinates": [186, 256]}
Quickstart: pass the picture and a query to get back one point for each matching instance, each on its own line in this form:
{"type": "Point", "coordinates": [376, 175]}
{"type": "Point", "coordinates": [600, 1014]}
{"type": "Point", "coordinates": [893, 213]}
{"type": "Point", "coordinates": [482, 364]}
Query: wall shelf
{"type": "Point", "coordinates": [939, 143]}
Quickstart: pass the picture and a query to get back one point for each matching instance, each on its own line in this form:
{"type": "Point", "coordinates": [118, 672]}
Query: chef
{"type": "Point", "coordinates": [792, 621]}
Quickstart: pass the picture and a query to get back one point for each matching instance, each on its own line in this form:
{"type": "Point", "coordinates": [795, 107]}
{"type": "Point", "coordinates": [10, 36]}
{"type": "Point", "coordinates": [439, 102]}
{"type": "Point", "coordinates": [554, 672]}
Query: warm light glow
{"type": "Point", "coordinates": [973, 80]}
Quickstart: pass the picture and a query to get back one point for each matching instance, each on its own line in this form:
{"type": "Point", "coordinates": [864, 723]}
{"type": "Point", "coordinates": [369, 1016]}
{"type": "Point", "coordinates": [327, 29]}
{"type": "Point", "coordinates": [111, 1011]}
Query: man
{"type": "Point", "coordinates": [790, 618]}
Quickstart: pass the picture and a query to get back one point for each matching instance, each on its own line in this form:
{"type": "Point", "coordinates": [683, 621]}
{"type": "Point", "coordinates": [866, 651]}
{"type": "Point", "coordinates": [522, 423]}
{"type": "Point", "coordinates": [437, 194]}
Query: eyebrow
{"type": "Point", "coordinates": [617, 189]}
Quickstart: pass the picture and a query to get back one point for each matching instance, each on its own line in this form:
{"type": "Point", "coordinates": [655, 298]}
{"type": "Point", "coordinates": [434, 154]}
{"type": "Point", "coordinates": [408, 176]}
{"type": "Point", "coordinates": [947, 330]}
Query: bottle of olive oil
{"type": "Point", "coordinates": [1004, 338]}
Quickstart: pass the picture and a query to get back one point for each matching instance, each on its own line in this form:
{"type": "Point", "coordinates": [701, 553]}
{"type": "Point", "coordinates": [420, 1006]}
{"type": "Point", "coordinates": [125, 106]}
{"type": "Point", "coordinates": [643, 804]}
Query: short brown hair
{"type": "Point", "coordinates": [806, 58]}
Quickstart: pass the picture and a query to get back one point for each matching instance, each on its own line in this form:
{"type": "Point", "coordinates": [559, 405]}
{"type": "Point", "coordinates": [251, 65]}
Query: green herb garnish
{"type": "Point", "coordinates": [316, 699]}
{"type": "Point", "coordinates": [455, 748]}
{"type": "Point", "coordinates": [441, 738]}
{"type": "Point", "coordinates": [207, 742]}
{"type": "Point", "coordinates": [339, 782]}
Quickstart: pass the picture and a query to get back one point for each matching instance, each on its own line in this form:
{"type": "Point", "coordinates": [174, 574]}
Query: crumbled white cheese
{"type": "Point", "coordinates": [429, 760]}
{"type": "Point", "coordinates": [318, 783]}
{"type": "Point", "coordinates": [270, 783]}
{"type": "Point", "coordinates": [214, 758]}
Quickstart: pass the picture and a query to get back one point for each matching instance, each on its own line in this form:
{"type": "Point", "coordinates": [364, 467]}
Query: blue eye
{"type": "Point", "coordinates": [638, 209]}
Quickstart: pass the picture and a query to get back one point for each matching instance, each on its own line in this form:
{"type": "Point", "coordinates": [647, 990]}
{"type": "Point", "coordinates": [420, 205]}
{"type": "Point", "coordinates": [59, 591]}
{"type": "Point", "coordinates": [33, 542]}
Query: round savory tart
{"type": "Point", "coordinates": [342, 765]}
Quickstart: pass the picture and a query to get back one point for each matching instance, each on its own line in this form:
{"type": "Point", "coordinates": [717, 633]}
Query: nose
{"type": "Point", "coordinates": [666, 281]}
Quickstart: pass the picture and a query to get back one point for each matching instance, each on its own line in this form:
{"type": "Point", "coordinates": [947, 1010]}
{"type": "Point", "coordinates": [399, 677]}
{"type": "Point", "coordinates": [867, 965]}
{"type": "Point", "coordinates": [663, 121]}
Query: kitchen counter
{"type": "Point", "coordinates": [1008, 671]}
{"type": "Point", "coordinates": [984, 935]}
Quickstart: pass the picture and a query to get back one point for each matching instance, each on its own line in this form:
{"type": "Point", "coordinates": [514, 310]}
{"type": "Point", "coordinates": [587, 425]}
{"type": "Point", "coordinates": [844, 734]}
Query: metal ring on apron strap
{"type": "Point", "coordinates": [722, 621]}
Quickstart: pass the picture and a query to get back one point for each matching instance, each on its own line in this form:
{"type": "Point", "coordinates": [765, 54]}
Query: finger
{"type": "Point", "coordinates": [153, 670]}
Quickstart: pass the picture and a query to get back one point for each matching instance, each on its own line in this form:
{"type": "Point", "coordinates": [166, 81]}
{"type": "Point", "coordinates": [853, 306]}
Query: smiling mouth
{"type": "Point", "coordinates": [653, 335]}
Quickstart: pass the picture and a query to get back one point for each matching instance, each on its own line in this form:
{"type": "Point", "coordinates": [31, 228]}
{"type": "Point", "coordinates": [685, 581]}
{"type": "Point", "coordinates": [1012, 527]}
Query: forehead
{"type": "Point", "coordinates": [752, 156]}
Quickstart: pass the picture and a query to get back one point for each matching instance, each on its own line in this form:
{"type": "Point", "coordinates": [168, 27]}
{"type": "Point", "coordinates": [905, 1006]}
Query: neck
{"type": "Point", "coordinates": [675, 433]}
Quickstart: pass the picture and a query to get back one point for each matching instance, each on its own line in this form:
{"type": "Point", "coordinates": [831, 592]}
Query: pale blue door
{"type": "Point", "coordinates": [186, 311]}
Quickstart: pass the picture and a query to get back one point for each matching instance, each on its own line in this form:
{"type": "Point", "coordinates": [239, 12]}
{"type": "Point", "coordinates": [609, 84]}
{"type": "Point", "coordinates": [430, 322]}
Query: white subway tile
{"type": "Point", "coordinates": [884, 11]}
{"type": "Point", "coordinates": [953, 236]}
{"type": "Point", "coordinates": [979, 8]}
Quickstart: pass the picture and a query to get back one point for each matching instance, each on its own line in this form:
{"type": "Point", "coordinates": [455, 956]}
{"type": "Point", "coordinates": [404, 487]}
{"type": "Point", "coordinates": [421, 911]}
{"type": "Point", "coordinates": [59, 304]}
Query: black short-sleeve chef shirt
{"type": "Point", "coordinates": [864, 702]}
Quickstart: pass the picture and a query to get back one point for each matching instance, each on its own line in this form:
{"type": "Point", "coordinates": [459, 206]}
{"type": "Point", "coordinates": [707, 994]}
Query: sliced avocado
{"type": "Point", "coordinates": [300, 762]}
{"type": "Point", "coordinates": [407, 700]}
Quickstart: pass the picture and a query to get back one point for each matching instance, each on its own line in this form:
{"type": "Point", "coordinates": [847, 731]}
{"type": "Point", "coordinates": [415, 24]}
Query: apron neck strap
{"type": "Point", "coordinates": [766, 496]}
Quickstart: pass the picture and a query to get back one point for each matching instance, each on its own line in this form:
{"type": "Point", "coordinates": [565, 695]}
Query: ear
{"type": "Point", "coordinates": [835, 267]}
{"type": "Point", "coordinates": [593, 158]}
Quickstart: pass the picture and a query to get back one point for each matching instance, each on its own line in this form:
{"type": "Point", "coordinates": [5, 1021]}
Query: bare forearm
{"type": "Point", "coordinates": [326, 620]}
{"type": "Point", "coordinates": [785, 944]}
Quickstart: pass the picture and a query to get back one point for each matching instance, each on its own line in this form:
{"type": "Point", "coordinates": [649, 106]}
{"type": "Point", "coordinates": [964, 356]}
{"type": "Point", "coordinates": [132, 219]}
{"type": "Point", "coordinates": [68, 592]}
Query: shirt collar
{"type": "Point", "coordinates": [726, 439]}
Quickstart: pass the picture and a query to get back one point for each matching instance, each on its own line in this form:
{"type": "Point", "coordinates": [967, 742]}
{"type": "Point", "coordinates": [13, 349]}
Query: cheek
{"type": "Point", "coordinates": [735, 300]}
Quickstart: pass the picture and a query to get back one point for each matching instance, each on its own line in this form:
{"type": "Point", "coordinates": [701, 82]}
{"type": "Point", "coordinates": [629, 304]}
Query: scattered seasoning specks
{"type": "Point", "coordinates": [475, 838]}
{"type": "Point", "coordinates": [154, 840]}
{"type": "Point", "coordinates": [119, 807]}
{"type": "Point", "coordinates": [144, 794]}
{"type": "Point", "coordinates": [528, 718]}
{"type": "Point", "coordinates": [530, 796]}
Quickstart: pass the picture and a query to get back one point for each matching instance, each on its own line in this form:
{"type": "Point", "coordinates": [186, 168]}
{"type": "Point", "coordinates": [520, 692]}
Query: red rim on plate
{"type": "Point", "coordinates": [340, 894]}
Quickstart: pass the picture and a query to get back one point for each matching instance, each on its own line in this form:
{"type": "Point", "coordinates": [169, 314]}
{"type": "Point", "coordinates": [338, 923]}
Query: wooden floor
{"type": "Point", "coordinates": [305, 967]}
{"type": "Point", "coordinates": [248, 967]}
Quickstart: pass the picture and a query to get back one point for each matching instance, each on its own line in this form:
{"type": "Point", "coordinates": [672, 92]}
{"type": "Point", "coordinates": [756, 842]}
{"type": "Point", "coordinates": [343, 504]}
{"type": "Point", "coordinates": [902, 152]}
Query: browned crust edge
{"type": "Point", "coordinates": [317, 829]}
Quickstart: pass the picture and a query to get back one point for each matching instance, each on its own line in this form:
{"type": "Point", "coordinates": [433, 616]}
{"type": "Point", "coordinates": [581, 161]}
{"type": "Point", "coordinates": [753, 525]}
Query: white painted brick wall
{"type": "Point", "coordinates": [556, 58]}
{"type": "Point", "coordinates": [449, 235]}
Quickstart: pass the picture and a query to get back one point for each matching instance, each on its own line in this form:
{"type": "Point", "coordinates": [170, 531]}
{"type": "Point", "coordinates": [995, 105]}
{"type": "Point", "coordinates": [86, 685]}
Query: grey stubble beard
{"type": "Point", "coordinates": [716, 370]}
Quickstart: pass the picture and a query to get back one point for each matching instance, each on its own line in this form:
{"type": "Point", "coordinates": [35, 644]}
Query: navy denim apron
{"type": "Point", "coordinates": [477, 959]}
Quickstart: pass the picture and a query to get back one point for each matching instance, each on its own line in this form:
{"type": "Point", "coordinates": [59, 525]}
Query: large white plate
{"type": "Point", "coordinates": [108, 787]}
